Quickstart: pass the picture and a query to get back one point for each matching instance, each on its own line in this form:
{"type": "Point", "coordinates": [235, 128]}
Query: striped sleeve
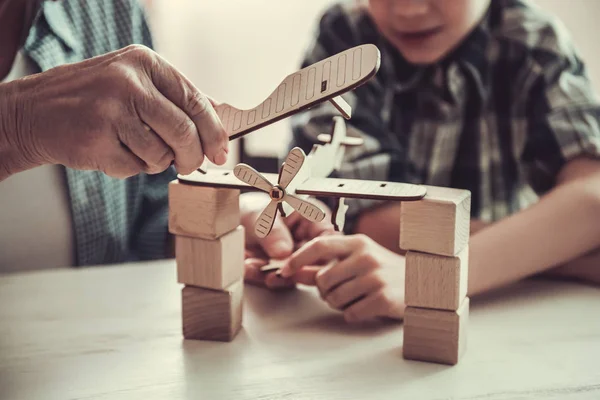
{"type": "Point", "coordinates": [564, 113]}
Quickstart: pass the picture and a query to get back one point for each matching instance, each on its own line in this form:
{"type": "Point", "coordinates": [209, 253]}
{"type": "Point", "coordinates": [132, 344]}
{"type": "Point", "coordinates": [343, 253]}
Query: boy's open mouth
{"type": "Point", "coordinates": [418, 35]}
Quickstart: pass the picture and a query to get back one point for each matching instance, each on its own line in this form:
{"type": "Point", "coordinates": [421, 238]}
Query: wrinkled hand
{"type": "Point", "coordinates": [122, 113]}
{"type": "Point", "coordinates": [357, 276]}
{"type": "Point", "coordinates": [287, 235]}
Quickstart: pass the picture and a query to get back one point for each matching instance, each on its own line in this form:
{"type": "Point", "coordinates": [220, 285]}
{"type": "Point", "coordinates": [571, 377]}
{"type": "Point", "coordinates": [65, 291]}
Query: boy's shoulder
{"type": "Point", "coordinates": [523, 23]}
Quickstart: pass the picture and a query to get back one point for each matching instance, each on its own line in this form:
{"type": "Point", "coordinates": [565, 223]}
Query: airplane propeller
{"type": "Point", "coordinates": [291, 166]}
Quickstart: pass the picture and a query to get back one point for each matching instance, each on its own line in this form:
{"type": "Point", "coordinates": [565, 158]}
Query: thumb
{"type": "Point", "coordinates": [279, 243]}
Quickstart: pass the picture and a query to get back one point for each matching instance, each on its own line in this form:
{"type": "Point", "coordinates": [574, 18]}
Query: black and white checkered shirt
{"type": "Point", "coordinates": [499, 116]}
{"type": "Point", "coordinates": [114, 220]}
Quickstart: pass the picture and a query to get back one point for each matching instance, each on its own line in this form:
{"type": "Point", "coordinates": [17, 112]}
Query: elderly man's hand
{"type": "Point", "coordinates": [287, 235]}
{"type": "Point", "coordinates": [122, 113]}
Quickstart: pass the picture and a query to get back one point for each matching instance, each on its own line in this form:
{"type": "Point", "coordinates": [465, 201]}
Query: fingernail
{"type": "Point", "coordinates": [221, 157]}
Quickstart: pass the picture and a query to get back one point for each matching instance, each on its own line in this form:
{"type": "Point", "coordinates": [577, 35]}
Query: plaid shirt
{"type": "Point", "coordinates": [113, 220]}
{"type": "Point", "coordinates": [499, 116]}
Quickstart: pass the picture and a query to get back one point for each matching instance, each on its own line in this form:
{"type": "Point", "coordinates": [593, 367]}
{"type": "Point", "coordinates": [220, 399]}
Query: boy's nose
{"type": "Point", "coordinates": [410, 8]}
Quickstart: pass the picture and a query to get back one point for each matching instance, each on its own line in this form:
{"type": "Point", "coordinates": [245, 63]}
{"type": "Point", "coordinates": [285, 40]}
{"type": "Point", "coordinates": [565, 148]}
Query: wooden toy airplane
{"type": "Point", "coordinates": [301, 176]}
{"type": "Point", "coordinates": [322, 81]}
{"type": "Point", "coordinates": [325, 80]}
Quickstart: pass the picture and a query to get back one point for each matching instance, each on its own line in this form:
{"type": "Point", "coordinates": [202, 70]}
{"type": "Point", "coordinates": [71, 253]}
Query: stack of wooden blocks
{"type": "Point", "coordinates": [435, 231]}
{"type": "Point", "coordinates": [209, 251]}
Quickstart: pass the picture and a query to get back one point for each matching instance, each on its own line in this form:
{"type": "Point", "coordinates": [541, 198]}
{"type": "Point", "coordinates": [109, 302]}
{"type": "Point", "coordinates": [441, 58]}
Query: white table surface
{"type": "Point", "coordinates": [115, 333]}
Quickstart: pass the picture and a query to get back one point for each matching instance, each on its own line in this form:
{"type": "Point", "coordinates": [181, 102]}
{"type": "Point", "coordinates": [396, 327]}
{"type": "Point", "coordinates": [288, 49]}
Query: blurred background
{"type": "Point", "coordinates": [238, 51]}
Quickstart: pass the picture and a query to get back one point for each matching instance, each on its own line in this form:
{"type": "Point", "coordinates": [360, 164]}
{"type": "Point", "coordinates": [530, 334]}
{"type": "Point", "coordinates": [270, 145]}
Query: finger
{"type": "Point", "coordinates": [180, 90]}
{"type": "Point", "coordinates": [279, 243]}
{"type": "Point", "coordinates": [370, 307]}
{"type": "Point", "coordinates": [273, 281]}
{"type": "Point", "coordinates": [148, 146]}
{"type": "Point", "coordinates": [352, 290]}
{"type": "Point", "coordinates": [323, 228]}
{"type": "Point", "coordinates": [307, 275]}
{"type": "Point", "coordinates": [308, 230]}
{"type": "Point", "coordinates": [345, 270]}
{"type": "Point", "coordinates": [292, 221]}
{"type": "Point", "coordinates": [302, 228]}
{"type": "Point", "coordinates": [122, 164]}
{"type": "Point", "coordinates": [254, 252]}
{"type": "Point", "coordinates": [325, 248]}
{"type": "Point", "coordinates": [252, 273]}
{"type": "Point", "coordinates": [174, 128]}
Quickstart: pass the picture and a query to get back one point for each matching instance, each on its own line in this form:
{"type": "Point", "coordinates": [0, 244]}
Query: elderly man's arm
{"type": "Point", "coordinates": [124, 112]}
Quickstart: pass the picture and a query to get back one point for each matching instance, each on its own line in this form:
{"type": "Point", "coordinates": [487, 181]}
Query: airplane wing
{"type": "Point", "coordinates": [362, 189]}
{"type": "Point", "coordinates": [332, 187]}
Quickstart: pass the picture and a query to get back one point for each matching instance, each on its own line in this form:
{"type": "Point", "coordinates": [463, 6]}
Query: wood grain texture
{"type": "Point", "coordinates": [434, 281]}
{"type": "Point", "coordinates": [352, 188]}
{"type": "Point", "coordinates": [202, 212]}
{"type": "Point", "coordinates": [305, 88]}
{"type": "Point", "coordinates": [209, 314]}
{"type": "Point", "coordinates": [363, 189]}
{"type": "Point", "coordinates": [434, 335]}
{"type": "Point", "coordinates": [210, 263]}
{"type": "Point", "coordinates": [219, 178]}
{"type": "Point", "coordinates": [114, 333]}
{"type": "Point", "coordinates": [438, 224]}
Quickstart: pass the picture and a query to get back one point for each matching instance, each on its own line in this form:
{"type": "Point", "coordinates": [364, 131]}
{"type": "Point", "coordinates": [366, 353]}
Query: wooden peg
{"type": "Point", "coordinates": [210, 263]}
{"type": "Point", "coordinates": [338, 217]}
{"type": "Point", "coordinates": [342, 106]}
{"type": "Point", "coordinates": [434, 281]}
{"type": "Point", "coordinates": [435, 335]}
{"type": "Point", "coordinates": [202, 212]}
{"type": "Point", "coordinates": [437, 224]}
{"type": "Point", "coordinates": [209, 314]}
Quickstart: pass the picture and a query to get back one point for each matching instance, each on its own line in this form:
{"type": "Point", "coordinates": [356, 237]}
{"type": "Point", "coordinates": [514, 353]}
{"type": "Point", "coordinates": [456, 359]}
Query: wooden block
{"type": "Point", "coordinates": [434, 281]}
{"type": "Point", "coordinates": [209, 314]}
{"type": "Point", "coordinates": [435, 335]}
{"type": "Point", "coordinates": [210, 263]}
{"type": "Point", "coordinates": [202, 212]}
{"type": "Point", "coordinates": [437, 224]}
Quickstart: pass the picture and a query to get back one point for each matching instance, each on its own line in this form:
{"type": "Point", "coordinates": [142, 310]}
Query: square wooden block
{"type": "Point", "coordinates": [434, 281]}
{"type": "Point", "coordinates": [210, 263]}
{"type": "Point", "coordinates": [201, 211]}
{"type": "Point", "coordinates": [209, 314]}
{"type": "Point", "coordinates": [435, 335]}
{"type": "Point", "coordinates": [438, 224]}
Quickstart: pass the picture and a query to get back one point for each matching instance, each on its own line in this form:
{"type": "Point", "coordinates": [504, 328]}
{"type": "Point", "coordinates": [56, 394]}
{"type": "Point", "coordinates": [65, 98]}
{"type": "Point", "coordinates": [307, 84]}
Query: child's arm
{"type": "Point", "coordinates": [562, 226]}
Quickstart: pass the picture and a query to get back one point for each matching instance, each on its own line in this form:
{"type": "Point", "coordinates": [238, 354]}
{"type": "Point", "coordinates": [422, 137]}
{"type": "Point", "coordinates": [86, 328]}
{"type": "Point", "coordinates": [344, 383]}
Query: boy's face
{"type": "Point", "coordinates": [424, 31]}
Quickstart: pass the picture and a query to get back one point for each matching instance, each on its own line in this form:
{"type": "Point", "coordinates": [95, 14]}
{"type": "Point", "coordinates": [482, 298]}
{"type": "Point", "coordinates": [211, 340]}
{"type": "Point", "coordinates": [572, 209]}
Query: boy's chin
{"type": "Point", "coordinates": [424, 57]}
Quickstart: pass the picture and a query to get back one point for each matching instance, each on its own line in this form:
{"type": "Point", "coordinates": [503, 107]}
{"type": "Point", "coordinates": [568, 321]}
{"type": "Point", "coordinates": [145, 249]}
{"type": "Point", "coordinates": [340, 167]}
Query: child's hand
{"type": "Point", "coordinates": [360, 277]}
{"type": "Point", "coordinates": [253, 275]}
{"type": "Point", "coordinates": [287, 235]}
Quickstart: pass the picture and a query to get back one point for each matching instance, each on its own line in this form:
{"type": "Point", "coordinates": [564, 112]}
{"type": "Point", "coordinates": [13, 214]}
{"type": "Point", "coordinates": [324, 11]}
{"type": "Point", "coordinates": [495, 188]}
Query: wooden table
{"type": "Point", "coordinates": [114, 333]}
